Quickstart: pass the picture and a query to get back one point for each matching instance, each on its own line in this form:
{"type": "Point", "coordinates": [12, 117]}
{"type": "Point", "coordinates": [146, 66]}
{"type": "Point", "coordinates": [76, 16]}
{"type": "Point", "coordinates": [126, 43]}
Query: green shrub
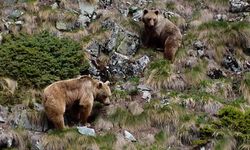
{"type": "Point", "coordinates": [38, 60]}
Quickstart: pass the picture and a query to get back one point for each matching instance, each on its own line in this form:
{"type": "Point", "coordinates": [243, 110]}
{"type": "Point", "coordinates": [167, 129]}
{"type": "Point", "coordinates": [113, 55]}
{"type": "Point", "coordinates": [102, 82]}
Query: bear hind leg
{"type": "Point", "coordinates": [171, 46]}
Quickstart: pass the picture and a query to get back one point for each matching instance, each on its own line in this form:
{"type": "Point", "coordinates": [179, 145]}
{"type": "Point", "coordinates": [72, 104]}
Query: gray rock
{"type": "Point", "coordinates": [143, 87]}
{"type": "Point", "coordinates": [38, 107]}
{"type": "Point", "coordinates": [105, 3]}
{"type": "Point", "coordinates": [3, 114]}
{"type": "Point", "coordinates": [9, 2]}
{"type": "Point", "coordinates": [28, 119]}
{"type": "Point", "coordinates": [16, 14]}
{"type": "Point", "coordinates": [191, 62]}
{"type": "Point", "coordinates": [5, 140]}
{"type": "Point", "coordinates": [221, 17]}
{"type": "Point", "coordinates": [119, 65]}
{"type": "Point", "coordinates": [139, 65]}
{"type": "Point", "coordinates": [36, 143]}
{"type": "Point", "coordinates": [86, 131]}
{"type": "Point", "coordinates": [1, 38]}
{"type": "Point", "coordinates": [137, 15]}
{"type": "Point", "coordinates": [129, 136]}
{"type": "Point", "coordinates": [164, 102]}
{"type": "Point", "coordinates": [230, 63]}
{"type": "Point", "coordinates": [146, 95]}
{"type": "Point", "coordinates": [94, 49]}
{"type": "Point", "coordinates": [54, 6]}
{"type": "Point", "coordinates": [83, 20]}
{"type": "Point", "coordinates": [239, 6]}
{"type": "Point", "coordinates": [135, 108]}
{"type": "Point", "coordinates": [2, 120]}
{"type": "Point", "coordinates": [129, 44]}
{"type": "Point", "coordinates": [199, 45]}
{"type": "Point", "coordinates": [93, 70]}
{"type": "Point", "coordinates": [63, 26]}
{"type": "Point", "coordinates": [19, 22]}
{"type": "Point", "coordinates": [85, 7]}
{"type": "Point", "coordinates": [87, 12]}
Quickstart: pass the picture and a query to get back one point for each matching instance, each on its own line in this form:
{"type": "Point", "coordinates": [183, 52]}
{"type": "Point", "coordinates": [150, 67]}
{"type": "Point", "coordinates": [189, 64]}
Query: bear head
{"type": "Point", "coordinates": [103, 92]}
{"type": "Point", "coordinates": [150, 18]}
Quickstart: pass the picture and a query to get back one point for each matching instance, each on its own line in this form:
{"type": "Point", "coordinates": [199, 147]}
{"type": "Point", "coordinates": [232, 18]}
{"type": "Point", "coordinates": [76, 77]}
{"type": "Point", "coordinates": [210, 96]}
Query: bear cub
{"type": "Point", "coordinates": [159, 32]}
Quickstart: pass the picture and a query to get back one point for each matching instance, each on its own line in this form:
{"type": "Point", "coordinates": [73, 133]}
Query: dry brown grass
{"type": "Point", "coordinates": [78, 35]}
{"type": "Point", "coordinates": [245, 87]}
{"type": "Point", "coordinates": [31, 8]}
{"type": "Point", "coordinates": [68, 140]}
{"type": "Point", "coordinates": [30, 25]}
{"type": "Point", "coordinates": [52, 16]}
{"type": "Point", "coordinates": [8, 85]}
{"type": "Point", "coordinates": [218, 36]}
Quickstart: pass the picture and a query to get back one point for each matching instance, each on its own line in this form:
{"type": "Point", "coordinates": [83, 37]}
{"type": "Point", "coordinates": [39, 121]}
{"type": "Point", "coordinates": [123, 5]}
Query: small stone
{"type": "Point", "coordinates": [38, 107]}
{"type": "Point", "coordinates": [19, 22]}
{"type": "Point", "coordinates": [143, 87]}
{"type": "Point", "coordinates": [221, 17]}
{"type": "Point", "coordinates": [199, 45]}
{"type": "Point", "coordinates": [135, 108]}
{"type": "Point", "coordinates": [2, 120]}
{"type": "Point", "coordinates": [146, 95]}
{"type": "Point", "coordinates": [129, 136]}
{"type": "Point", "coordinates": [61, 26]}
{"type": "Point", "coordinates": [1, 38]}
{"type": "Point", "coordinates": [54, 6]}
{"type": "Point", "coordinates": [16, 14]}
{"type": "Point", "coordinates": [86, 131]}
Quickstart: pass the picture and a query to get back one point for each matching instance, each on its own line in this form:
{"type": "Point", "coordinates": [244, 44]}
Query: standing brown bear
{"type": "Point", "coordinates": [62, 95]}
{"type": "Point", "coordinates": [161, 33]}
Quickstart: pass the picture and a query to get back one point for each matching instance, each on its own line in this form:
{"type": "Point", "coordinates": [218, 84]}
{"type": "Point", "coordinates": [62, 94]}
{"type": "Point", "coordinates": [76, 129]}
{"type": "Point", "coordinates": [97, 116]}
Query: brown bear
{"type": "Point", "coordinates": [63, 95]}
{"type": "Point", "coordinates": [160, 33]}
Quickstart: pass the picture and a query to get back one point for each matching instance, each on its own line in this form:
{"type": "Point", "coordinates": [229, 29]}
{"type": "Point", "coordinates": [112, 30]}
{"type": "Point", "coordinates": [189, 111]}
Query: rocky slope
{"type": "Point", "coordinates": [201, 101]}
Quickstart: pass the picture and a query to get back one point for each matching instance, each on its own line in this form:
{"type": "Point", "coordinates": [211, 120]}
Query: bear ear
{"type": "Point", "coordinates": [157, 12]}
{"type": "Point", "coordinates": [99, 85]}
{"type": "Point", "coordinates": [145, 11]}
{"type": "Point", "coordinates": [107, 83]}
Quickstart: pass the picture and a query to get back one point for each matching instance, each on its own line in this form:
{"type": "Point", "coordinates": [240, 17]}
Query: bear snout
{"type": "Point", "coordinates": [106, 102]}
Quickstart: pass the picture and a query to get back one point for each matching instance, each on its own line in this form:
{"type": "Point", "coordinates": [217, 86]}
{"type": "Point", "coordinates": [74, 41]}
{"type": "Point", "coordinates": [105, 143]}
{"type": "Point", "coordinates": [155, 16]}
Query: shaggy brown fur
{"type": "Point", "coordinates": [161, 33]}
{"type": "Point", "coordinates": [62, 95]}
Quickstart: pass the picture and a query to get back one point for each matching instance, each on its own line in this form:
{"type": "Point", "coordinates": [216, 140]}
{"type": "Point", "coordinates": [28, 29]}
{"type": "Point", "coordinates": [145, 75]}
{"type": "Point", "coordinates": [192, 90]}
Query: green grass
{"type": "Point", "coordinates": [170, 5]}
{"type": "Point", "coordinates": [227, 26]}
{"type": "Point", "coordinates": [160, 69]}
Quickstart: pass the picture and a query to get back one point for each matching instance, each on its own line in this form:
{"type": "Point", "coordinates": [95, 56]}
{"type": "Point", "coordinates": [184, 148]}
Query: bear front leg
{"type": "Point", "coordinates": [85, 112]}
{"type": "Point", "coordinates": [58, 122]}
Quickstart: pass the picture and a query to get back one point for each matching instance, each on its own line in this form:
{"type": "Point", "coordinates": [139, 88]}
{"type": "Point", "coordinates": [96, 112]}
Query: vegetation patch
{"type": "Point", "coordinates": [38, 60]}
{"type": "Point", "coordinates": [232, 123]}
